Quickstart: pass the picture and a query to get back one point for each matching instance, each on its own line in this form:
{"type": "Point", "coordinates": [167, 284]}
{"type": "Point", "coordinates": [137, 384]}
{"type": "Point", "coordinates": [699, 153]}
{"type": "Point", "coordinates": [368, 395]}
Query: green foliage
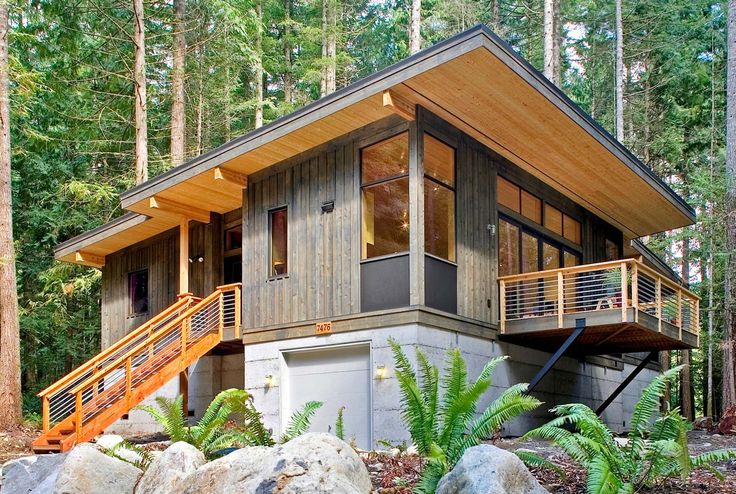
{"type": "Point", "coordinates": [656, 445]}
{"type": "Point", "coordinates": [443, 427]}
{"type": "Point", "coordinates": [340, 424]}
{"type": "Point", "coordinates": [300, 420]}
{"type": "Point", "coordinates": [131, 453]}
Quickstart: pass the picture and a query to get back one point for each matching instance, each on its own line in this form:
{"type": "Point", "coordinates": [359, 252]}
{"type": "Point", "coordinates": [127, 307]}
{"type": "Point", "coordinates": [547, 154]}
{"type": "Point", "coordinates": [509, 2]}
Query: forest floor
{"type": "Point", "coordinates": [397, 475]}
{"type": "Point", "coordinates": [16, 443]}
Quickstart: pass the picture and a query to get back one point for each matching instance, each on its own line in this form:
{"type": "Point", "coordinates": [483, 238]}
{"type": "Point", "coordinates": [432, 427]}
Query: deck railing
{"type": "Point", "coordinates": [615, 285]}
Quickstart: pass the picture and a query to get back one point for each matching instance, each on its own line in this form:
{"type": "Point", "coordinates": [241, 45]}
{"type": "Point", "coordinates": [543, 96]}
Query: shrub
{"type": "Point", "coordinates": [442, 428]}
{"type": "Point", "coordinates": [656, 446]}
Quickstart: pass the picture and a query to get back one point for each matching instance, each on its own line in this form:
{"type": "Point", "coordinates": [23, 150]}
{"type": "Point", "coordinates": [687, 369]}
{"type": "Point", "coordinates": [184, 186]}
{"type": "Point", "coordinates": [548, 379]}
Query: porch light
{"type": "Point", "coordinates": [269, 381]}
{"type": "Point", "coordinates": [380, 371]}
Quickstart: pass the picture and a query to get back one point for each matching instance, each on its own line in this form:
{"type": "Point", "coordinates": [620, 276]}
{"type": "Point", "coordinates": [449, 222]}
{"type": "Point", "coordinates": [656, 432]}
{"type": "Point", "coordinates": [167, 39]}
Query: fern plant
{"type": "Point", "coordinates": [340, 424]}
{"type": "Point", "coordinates": [136, 455]}
{"type": "Point", "coordinates": [442, 428]}
{"type": "Point", "coordinates": [656, 447]}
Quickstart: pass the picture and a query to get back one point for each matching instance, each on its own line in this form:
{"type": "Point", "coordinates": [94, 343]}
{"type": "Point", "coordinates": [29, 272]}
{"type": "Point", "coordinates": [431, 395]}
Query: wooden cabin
{"type": "Point", "coordinates": [454, 199]}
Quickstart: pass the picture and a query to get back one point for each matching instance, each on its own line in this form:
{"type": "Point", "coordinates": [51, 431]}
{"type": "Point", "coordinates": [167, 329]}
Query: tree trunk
{"type": "Point", "coordinates": [178, 119]}
{"type": "Point", "coordinates": [288, 69]}
{"type": "Point", "coordinates": [619, 77]}
{"type": "Point", "coordinates": [686, 401]}
{"type": "Point", "coordinates": [552, 41]}
{"type": "Point", "coordinates": [496, 17]}
{"type": "Point", "coordinates": [415, 21]}
{"type": "Point", "coordinates": [10, 390]}
{"type": "Point", "coordinates": [329, 47]}
{"type": "Point", "coordinates": [664, 364]}
{"type": "Point", "coordinates": [139, 80]}
{"type": "Point", "coordinates": [259, 65]}
{"type": "Point", "coordinates": [729, 331]}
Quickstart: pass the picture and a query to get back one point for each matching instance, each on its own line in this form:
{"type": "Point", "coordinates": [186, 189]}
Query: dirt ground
{"type": "Point", "coordinates": [16, 443]}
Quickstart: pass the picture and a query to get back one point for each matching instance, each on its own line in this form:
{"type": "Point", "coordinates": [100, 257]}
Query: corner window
{"type": "Point", "coordinates": [439, 198]}
{"type": "Point", "coordinates": [384, 188]}
{"type": "Point", "coordinates": [138, 292]}
{"type": "Point", "coordinates": [278, 221]}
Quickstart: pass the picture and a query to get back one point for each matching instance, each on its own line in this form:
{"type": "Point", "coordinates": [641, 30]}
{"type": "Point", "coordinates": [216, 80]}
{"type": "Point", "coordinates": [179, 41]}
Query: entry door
{"type": "Point", "coordinates": [339, 377]}
{"type": "Point", "coordinates": [233, 269]}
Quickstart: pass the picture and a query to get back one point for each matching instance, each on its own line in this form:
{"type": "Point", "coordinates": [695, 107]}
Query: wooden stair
{"type": "Point", "coordinates": [91, 398]}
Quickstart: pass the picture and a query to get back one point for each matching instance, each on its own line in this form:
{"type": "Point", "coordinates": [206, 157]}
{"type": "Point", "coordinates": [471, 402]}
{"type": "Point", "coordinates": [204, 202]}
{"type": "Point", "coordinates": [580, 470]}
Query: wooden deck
{"type": "Point", "coordinates": [539, 309]}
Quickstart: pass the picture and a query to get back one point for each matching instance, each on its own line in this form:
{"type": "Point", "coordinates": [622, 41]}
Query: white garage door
{"type": "Point", "coordinates": [338, 377]}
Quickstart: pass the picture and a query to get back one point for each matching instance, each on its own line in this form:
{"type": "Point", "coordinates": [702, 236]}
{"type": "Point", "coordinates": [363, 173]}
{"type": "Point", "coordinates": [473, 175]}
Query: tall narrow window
{"type": "Point", "coordinates": [439, 198]}
{"type": "Point", "coordinates": [278, 224]}
{"type": "Point", "coordinates": [138, 292]}
{"type": "Point", "coordinates": [385, 197]}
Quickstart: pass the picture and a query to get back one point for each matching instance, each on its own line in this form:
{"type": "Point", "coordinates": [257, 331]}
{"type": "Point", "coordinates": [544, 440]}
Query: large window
{"type": "Point", "coordinates": [278, 236]}
{"type": "Point", "coordinates": [439, 198]}
{"type": "Point", "coordinates": [138, 292]}
{"type": "Point", "coordinates": [523, 250]}
{"type": "Point", "coordinates": [385, 197]}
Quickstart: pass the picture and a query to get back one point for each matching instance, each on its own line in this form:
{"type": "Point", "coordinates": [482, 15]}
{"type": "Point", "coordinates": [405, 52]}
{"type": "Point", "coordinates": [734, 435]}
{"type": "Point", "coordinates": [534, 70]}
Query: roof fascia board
{"type": "Point", "coordinates": [354, 93]}
{"type": "Point", "coordinates": [120, 224]}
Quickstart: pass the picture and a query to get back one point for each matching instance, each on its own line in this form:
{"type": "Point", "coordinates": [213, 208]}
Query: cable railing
{"type": "Point", "coordinates": [142, 362]}
{"type": "Point", "coordinates": [56, 401]}
{"type": "Point", "coordinates": [614, 286]}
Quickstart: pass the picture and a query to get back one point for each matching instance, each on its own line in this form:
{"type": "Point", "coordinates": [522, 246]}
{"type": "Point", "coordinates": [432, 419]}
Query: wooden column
{"type": "Point", "coordinates": [184, 390]}
{"type": "Point", "coordinates": [184, 256]}
{"type": "Point", "coordinates": [416, 216]}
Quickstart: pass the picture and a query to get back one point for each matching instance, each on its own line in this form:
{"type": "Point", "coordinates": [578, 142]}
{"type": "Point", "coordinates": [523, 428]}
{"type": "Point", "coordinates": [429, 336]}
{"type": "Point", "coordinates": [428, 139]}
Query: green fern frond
{"type": "Point", "coordinates": [429, 375]}
{"type": "Point", "coordinates": [256, 432]}
{"type": "Point", "coordinates": [648, 405]}
{"type": "Point", "coordinates": [340, 424]}
{"type": "Point", "coordinates": [170, 415]}
{"type": "Point", "coordinates": [601, 479]}
{"type": "Point", "coordinates": [533, 460]}
{"type": "Point", "coordinates": [143, 458]}
{"type": "Point", "coordinates": [300, 421]}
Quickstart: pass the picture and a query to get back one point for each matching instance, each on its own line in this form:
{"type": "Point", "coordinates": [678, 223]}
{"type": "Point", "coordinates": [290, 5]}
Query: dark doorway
{"type": "Point", "coordinates": [233, 272]}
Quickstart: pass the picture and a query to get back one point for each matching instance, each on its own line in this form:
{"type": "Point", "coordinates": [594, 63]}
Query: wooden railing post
{"type": "Point", "coordinates": [45, 413]}
{"type": "Point", "coordinates": [238, 309]}
{"type": "Point", "coordinates": [658, 301]}
{"type": "Point", "coordinates": [560, 299]}
{"type": "Point", "coordinates": [624, 291]}
{"type": "Point", "coordinates": [128, 380]}
{"type": "Point", "coordinates": [78, 415]}
{"type": "Point", "coordinates": [679, 311]}
{"type": "Point", "coordinates": [635, 290]}
{"type": "Point", "coordinates": [502, 302]}
{"type": "Point", "coordinates": [222, 316]}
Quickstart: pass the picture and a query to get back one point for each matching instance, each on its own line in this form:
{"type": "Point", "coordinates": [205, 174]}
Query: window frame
{"type": "Point", "coordinates": [380, 181]}
{"type": "Point", "coordinates": [269, 266]}
{"type": "Point", "coordinates": [131, 310]}
{"type": "Point", "coordinates": [452, 188]}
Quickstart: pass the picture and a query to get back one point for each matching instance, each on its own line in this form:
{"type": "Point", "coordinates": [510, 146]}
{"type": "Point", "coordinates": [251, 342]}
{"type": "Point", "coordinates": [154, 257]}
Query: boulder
{"type": "Point", "coordinates": [32, 474]}
{"type": "Point", "coordinates": [486, 469]}
{"type": "Point", "coordinates": [704, 423]}
{"type": "Point", "coordinates": [312, 463]}
{"type": "Point", "coordinates": [86, 470]}
{"type": "Point", "coordinates": [727, 425]}
{"type": "Point", "coordinates": [169, 469]}
{"type": "Point", "coordinates": [108, 441]}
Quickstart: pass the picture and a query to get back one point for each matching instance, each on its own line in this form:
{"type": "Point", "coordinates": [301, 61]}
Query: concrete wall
{"type": "Point", "coordinates": [570, 381]}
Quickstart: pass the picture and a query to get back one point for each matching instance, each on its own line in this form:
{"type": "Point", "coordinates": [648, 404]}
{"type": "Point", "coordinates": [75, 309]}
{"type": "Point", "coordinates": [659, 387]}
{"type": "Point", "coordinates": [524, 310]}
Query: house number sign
{"type": "Point", "coordinates": [324, 327]}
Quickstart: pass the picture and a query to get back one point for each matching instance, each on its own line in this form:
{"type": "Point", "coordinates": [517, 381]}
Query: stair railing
{"type": "Point", "coordinates": [56, 401]}
{"type": "Point", "coordinates": [116, 385]}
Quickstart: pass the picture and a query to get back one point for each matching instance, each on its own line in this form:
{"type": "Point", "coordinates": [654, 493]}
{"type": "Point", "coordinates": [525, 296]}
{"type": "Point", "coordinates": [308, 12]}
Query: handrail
{"type": "Point", "coordinates": [622, 284]}
{"type": "Point", "coordinates": [94, 361]}
{"type": "Point", "coordinates": [153, 339]}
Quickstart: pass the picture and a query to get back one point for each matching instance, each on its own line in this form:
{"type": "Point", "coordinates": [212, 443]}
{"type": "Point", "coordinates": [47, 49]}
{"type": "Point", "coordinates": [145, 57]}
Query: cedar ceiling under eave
{"type": "Point", "coordinates": [476, 83]}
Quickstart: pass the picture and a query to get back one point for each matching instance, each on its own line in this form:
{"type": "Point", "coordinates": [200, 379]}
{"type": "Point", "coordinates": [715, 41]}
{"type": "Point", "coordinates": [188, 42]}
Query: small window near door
{"type": "Point", "coordinates": [278, 224]}
{"type": "Point", "coordinates": [138, 292]}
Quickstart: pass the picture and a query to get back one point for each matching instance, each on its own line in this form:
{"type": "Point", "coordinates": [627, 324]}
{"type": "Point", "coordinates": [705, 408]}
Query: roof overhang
{"type": "Point", "coordinates": [477, 83]}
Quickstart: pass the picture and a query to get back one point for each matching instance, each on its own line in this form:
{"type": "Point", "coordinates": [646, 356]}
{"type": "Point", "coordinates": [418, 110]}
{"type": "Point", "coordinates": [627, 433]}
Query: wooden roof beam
{"type": "Point", "coordinates": [399, 105]}
{"type": "Point", "coordinates": [191, 212]}
{"type": "Point", "coordinates": [230, 176]}
{"type": "Point", "coordinates": [88, 259]}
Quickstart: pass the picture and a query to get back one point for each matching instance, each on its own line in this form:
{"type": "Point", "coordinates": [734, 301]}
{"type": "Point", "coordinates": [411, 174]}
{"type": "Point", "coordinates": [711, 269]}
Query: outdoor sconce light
{"type": "Point", "coordinates": [328, 206]}
{"type": "Point", "coordinates": [269, 381]}
{"type": "Point", "coordinates": [380, 371]}
{"type": "Point", "coordinates": [194, 259]}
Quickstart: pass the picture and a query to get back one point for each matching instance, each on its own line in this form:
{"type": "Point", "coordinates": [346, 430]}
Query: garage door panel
{"type": "Point", "coordinates": [338, 377]}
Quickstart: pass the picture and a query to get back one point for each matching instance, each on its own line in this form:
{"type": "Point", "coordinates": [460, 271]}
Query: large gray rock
{"type": "Point", "coordinates": [167, 472]}
{"type": "Point", "coordinates": [486, 469]}
{"type": "Point", "coordinates": [86, 470]}
{"type": "Point", "coordinates": [31, 475]}
{"type": "Point", "coordinates": [312, 463]}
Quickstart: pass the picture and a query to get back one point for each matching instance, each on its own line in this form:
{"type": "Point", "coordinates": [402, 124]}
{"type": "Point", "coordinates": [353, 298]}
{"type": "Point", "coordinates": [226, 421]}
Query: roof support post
{"type": "Point", "coordinates": [184, 255]}
{"type": "Point", "coordinates": [629, 378]}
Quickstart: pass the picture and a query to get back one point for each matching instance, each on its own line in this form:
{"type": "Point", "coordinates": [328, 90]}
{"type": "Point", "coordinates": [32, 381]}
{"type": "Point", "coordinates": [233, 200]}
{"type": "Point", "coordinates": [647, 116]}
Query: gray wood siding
{"type": "Point", "coordinates": [323, 248]}
{"type": "Point", "coordinates": [160, 255]}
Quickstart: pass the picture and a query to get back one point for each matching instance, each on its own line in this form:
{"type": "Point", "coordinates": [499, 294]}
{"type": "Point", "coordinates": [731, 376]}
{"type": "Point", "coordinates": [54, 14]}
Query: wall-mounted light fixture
{"type": "Point", "coordinates": [328, 206]}
{"type": "Point", "coordinates": [269, 381]}
{"type": "Point", "coordinates": [198, 258]}
{"type": "Point", "coordinates": [380, 371]}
